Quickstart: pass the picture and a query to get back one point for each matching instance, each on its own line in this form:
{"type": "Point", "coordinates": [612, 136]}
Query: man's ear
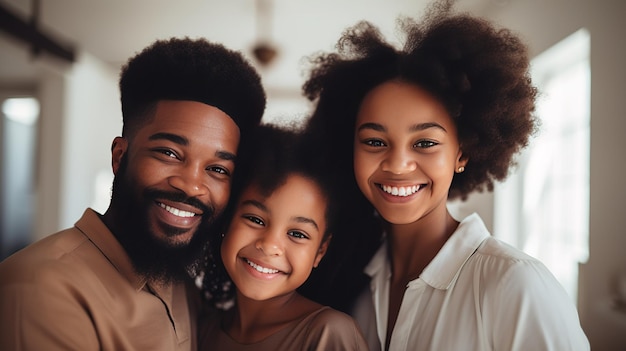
{"type": "Point", "coordinates": [322, 251]}
{"type": "Point", "coordinates": [118, 150]}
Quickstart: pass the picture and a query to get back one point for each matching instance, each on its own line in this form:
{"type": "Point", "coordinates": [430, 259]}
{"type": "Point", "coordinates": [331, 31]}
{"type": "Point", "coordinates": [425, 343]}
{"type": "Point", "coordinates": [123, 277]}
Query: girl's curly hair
{"type": "Point", "coordinates": [480, 74]}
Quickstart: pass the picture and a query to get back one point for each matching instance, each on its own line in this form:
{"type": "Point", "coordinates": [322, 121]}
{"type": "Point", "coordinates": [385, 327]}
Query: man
{"type": "Point", "coordinates": [120, 281]}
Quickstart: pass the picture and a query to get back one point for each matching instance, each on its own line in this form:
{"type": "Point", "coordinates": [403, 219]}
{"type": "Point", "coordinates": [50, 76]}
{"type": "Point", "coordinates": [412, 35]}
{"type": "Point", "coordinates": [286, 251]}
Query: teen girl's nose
{"type": "Point", "coordinates": [399, 161]}
{"type": "Point", "coordinates": [190, 179]}
{"type": "Point", "coordinates": [270, 244]}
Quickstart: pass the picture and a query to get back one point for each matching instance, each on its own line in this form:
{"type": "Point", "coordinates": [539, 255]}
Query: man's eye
{"type": "Point", "coordinates": [167, 152]}
{"type": "Point", "coordinates": [254, 219]}
{"type": "Point", "coordinates": [297, 234]}
{"type": "Point", "coordinates": [220, 170]}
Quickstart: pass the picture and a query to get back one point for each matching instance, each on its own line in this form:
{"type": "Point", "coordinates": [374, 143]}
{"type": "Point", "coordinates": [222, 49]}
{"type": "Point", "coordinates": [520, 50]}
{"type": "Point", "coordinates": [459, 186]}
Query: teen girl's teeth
{"type": "Point", "coordinates": [400, 191]}
{"type": "Point", "coordinates": [261, 268]}
{"type": "Point", "coordinates": [177, 212]}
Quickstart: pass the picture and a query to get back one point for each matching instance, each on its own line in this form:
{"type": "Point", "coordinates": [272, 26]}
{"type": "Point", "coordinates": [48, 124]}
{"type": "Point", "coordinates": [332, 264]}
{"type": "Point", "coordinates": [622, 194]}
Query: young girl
{"type": "Point", "coordinates": [406, 130]}
{"type": "Point", "coordinates": [279, 230]}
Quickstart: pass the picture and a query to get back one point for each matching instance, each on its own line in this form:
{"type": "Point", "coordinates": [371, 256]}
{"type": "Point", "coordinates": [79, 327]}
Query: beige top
{"type": "Point", "coordinates": [323, 330]}
{"type": "Point", "coordinates": [77, 290]}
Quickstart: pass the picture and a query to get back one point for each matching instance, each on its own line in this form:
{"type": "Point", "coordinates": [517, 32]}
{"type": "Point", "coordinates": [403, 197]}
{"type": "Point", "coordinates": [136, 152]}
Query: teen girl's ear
{"type": "Point", "coordinates": [118, 150]}
{"type": "Point", "coordinates": [322, 250]}
{"type": "Point", "coordinates": [461, 161]}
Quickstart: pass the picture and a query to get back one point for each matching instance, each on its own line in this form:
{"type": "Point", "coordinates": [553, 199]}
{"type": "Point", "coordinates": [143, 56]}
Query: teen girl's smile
{"type": "Point", "coordinates": [273, 242]}
{"type": "Point", "coordinates": [405, 151]}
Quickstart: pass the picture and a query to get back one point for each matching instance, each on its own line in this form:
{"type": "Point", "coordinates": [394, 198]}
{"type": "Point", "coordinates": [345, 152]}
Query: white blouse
{"type": "Point", "coordinates": [478, 293]}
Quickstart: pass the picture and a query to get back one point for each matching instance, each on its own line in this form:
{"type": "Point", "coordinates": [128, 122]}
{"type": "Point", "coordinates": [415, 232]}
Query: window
{"type": "Point", "coordinates": [543, 208]}
{"type": "Point", "coordinates": [17, 187]}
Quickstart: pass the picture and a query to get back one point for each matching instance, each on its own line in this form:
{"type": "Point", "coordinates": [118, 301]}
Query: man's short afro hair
{"type": "Point", "coordinates": [192, 70]}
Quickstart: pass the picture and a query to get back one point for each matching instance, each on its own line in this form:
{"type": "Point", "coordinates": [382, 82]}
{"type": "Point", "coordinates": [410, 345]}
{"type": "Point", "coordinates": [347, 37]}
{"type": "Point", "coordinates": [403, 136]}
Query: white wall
{"type": "Point", "coordinates": [81, 116]}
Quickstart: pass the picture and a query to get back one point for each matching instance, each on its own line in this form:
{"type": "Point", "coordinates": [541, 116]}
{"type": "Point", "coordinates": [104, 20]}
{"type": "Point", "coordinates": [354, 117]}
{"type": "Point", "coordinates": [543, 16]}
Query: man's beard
{"type": "Point", "coordinates": [154, 259]}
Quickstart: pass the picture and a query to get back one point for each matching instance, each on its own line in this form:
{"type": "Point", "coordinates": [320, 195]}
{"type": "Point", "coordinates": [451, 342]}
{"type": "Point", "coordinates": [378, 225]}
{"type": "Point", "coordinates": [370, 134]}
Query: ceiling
{"type": "Point", "coordinates": [113, 30]}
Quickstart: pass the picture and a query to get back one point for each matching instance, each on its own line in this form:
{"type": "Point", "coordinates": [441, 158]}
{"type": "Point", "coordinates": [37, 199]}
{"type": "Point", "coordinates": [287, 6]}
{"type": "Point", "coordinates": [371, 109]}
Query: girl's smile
{"type": "Point", "coordinates": [274, 241]}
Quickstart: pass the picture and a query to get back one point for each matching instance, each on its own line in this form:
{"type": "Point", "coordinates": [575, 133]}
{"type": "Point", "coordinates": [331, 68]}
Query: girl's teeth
{"type": "Point", "coordinates": [177, 212]}
{"type": "Point", "coordinates": [400, 191]}
{"type": "Point", "coordinates": [262, 269]}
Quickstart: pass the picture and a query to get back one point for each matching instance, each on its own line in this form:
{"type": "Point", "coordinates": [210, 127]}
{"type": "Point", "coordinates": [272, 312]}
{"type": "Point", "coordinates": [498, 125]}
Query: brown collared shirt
{"type": "Point", "coordinates": [77, 290]}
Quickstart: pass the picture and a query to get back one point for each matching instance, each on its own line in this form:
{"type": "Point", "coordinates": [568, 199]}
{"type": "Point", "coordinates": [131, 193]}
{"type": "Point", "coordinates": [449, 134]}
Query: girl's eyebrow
{"type": "Point", "coordinates": [256, 204]}
{"type": "Point", "coordinates": [262, 207]}
{"type": "Point", "coordinates": [300, 219]}
{"type": "Point", "coordinates": [374, 126]}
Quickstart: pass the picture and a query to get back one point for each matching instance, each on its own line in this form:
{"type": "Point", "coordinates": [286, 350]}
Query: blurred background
{"type": "Point", "coordinates": [59, 66]}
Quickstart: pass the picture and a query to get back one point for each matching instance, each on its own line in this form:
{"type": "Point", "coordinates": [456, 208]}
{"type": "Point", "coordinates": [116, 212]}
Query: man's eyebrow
{"type": "Point", "coordinates": [171, 137]}
{"type": "Point", "coordinates": [175, 138]}
{"type": "Point", "coordinates": [225, 155]}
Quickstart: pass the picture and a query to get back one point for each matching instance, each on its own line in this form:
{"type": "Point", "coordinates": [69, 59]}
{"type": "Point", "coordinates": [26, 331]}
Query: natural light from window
{"type": "Point", "coordinates": [544, 206]}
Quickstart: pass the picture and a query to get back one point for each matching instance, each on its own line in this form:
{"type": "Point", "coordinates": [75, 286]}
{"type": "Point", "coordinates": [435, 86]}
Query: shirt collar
{"type": "Point", "coordinates": [443, 269]}
{"type": "Point", "coordinates": [92, 226]}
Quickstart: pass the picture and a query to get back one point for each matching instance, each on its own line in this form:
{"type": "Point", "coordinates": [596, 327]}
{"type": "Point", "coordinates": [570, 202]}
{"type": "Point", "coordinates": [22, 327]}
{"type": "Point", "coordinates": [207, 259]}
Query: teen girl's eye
{"type": "Point", "coordinates": [424, 144]}
{"type": "Point", "coordinates": [297, 234]}
{"type": "Point", "coordinates": [374, 142]}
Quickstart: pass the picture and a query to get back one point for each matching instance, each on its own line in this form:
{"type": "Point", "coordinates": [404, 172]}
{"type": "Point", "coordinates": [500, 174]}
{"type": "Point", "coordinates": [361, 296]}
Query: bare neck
{"type": "Point", "coordinates": [412, 246]}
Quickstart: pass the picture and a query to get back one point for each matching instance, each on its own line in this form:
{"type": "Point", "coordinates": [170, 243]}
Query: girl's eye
{"type": "Point", "coordinates": [297, 234]}
{"type": "Point", "coordinates": [254, 219]}
{"type": "Point", "coordinates": [374, 142]}
{"type": "Point", "coordinates": [424, 144]}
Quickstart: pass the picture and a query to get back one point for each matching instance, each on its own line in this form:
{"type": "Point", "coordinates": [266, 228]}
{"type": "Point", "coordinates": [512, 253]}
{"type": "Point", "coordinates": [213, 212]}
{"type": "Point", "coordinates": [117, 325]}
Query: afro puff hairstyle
{"type": "Point", "coordinates": [192, 70]}
{"type": "Point", "coordinates": [477, 71]}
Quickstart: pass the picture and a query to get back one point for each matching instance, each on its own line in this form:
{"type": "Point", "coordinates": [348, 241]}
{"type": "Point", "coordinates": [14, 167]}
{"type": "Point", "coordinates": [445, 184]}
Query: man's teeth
{"type": "Point", "coordinates": [261, 268]}
{"type": "Point", "coordinates": [400, 191]}
{"type": "Point", "coordinates": [177, 212]}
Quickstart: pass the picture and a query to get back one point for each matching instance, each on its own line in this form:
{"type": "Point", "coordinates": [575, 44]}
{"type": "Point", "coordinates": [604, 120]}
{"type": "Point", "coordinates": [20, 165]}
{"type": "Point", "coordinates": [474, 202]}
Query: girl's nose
{"type": "Point", "coordinates": [270, 244]}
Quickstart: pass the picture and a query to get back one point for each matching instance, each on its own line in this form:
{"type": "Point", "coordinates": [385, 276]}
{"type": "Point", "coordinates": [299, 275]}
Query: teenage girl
{"type": "Point", "coordinates": [279, 230]}
{"type": "Point", "coordinates": [404, 130]}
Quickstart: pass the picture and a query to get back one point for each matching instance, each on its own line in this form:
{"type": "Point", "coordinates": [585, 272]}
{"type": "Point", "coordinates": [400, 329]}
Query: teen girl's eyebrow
{"type": "Point", "coordinates": [427, 125]}
{"type": "Point", "coordinates": [180, 140]}
{"type": "Point", "coordinates": [414, 128]}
